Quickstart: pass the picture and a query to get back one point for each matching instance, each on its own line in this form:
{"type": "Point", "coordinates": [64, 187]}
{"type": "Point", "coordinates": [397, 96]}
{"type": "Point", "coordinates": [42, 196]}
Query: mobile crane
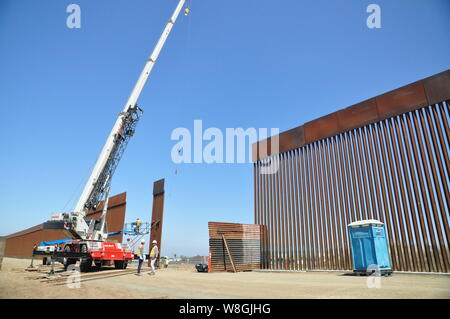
{"type": "Point", "coordinates": [88, 237]}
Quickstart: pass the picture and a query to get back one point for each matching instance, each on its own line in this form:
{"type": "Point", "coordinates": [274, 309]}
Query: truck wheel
{"type": "Point", "coordinates": [85, 263]}
{"type": "Point", "coordinates": [68, 261]}
{"type": "Point", "coordinates": [120, 264]}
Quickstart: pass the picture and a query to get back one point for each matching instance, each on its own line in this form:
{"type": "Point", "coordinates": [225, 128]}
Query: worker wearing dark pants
{"type": "Point", "coordinates": [141, 256]}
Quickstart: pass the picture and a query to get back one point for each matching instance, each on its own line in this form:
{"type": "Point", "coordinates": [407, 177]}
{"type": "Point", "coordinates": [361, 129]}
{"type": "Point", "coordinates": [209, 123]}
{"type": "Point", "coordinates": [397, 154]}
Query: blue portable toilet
{"type": "Point", "coordinates": [369, 247]}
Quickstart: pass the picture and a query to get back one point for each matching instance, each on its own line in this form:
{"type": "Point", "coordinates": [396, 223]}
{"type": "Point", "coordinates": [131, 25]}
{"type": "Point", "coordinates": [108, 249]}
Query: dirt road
{"type": "Point", "coordinates": [15, 282]}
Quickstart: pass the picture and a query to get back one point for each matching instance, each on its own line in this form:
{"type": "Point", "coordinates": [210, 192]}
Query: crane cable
{"type": "Point", "coordinates": [187, 10]}
{"type": "Point", "coordinates": [77, 188]}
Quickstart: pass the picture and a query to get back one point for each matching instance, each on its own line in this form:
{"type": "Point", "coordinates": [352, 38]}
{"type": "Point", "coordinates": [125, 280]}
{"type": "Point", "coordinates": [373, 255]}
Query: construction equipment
{"type": "Point", "coordinates": [89, 236]}
{"type": "Point", "coordinates": [134, 236]}
{"type": "Point", "coordinates": [201, 267]}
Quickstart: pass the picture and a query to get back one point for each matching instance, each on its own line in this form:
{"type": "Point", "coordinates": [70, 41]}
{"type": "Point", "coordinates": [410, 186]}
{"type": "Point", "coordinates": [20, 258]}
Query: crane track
{"type": "Point", "coordinates": [56, 281]}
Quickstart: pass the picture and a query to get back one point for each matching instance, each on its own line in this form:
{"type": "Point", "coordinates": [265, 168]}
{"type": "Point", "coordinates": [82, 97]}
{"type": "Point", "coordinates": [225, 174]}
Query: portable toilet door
{"type": "Point", "coordinates": [369, 246]}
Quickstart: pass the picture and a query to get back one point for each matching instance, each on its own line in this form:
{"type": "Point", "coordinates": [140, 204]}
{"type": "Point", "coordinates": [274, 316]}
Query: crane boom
{"type": "Point", "coordinates": [97, 185]}
{"type": "Point", "coordinates": [93, 189]}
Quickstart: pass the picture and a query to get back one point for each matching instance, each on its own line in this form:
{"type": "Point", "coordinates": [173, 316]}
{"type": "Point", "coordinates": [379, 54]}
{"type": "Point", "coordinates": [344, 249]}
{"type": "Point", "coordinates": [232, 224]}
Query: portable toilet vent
{"type": "Point", "coordinates": [370, 252]}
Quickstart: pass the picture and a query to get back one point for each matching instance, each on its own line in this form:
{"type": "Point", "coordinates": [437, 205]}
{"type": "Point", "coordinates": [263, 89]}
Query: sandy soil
{"type": "Point", "coordinates": [185, 282]}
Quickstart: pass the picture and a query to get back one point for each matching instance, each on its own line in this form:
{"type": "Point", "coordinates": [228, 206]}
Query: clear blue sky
{"type": "Point", "coordinates": [252, 63]}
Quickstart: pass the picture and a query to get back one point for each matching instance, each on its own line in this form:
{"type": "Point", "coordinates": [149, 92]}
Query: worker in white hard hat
{"type": "Point", "coordinates": [141, 256]}
{"type": "Point", "coordinates": [154, 253]}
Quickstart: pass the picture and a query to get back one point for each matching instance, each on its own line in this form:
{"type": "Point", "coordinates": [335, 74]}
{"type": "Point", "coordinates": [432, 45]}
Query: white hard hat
{"type": "Point", "coordinates": [143, 241]}
{"type": "Point", "coordinates": [154, 242]}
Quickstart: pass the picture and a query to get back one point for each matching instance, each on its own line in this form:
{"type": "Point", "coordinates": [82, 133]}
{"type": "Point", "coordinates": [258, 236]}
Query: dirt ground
{"type": "Point", "coordinates": [185, 282]}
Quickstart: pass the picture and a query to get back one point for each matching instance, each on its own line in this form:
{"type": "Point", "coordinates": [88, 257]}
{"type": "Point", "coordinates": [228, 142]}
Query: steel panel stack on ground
{"type": "Point", "coordinates": [21, 244]}
{"type": "Point", "coordinates": [244, 243]}
{"type": "Point", "coordinates": [386, 158]}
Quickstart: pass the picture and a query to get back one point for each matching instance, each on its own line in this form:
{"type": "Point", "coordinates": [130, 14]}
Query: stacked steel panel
{"type": "Point", "coordinates": [386, 158]}
{"type": "Point", "coordinates": [244, 243]}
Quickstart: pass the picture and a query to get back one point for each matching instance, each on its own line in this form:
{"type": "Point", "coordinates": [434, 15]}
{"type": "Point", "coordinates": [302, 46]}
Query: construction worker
{"type": "Point", "coordinates": [166, 262]}
{"type": "Point", "coordinates": [141, 256]}
{"type": "Point", "coordinates": [154, 253]}
{"type": "Point", "coordinates": [138, 225]}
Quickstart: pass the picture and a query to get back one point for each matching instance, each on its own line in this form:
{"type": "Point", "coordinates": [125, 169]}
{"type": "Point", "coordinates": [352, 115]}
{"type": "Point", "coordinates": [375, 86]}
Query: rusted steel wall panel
{"type": "Point", "coordinates": [395, 170]}
{"type": "Point", "coordinates": [115, 218]}
{"type": "Point", "coordinates": [26, 231]}
{"type": "Point", "coordinates": [405, 99]}
{"type": "Point", "coordinates": [263, 149]}
{"type": "Point", "coordinates": [437, 88]}
{"type": "Point", "coordinates": [244, 242]}
{"type": "Point", "coordinates": [287, 141]}
{"type": "Point", "coordinates": [157, 214]}
{"type": "Point", "coordinates": [429, 91]}
{"type": "Point", "coordinates": [291, 138]}
{"type": "Point", "coordinates": [2, 250]}
{"type": "Point", "coordinates": [320, 128]}
{"type": "Point", "coordinates": [331, 209]}
{"type": "Point", "coordinates": [268, 218]}
{"type": "Point", "coordinates": [21, 244]}
{"type": "Point", "coordinates": [358, 115]}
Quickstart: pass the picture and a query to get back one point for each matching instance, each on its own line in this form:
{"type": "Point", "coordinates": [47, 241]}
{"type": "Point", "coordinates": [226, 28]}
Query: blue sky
{"type": "Point", "coordinates": [252, 63]}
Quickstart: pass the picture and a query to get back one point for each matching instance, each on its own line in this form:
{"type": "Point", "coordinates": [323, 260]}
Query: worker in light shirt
{"type": "Point", "coordinates": [141, 256]}
{"type": "Point", "coordinates": [154, 253]}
